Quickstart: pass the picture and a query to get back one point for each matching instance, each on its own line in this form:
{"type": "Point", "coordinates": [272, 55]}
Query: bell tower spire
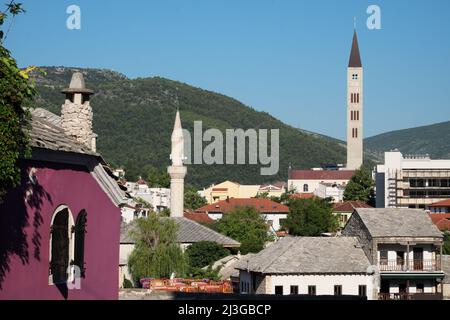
{"type": "Point", "coordinates": [355, 104]}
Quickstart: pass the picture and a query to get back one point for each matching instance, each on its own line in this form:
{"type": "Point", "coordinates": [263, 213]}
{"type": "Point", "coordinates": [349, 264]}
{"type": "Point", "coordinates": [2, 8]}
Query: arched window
{"type": "Point", "coordinates": [80, 231]}
{"type": "Point", "coordinates": [60, 244]}
{"type": "Point", "coordinates": [305, 188]}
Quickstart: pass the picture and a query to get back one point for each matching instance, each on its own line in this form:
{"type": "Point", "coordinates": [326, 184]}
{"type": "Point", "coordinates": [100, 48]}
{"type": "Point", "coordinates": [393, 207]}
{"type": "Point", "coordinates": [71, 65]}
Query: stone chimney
{"type": "Point", "coordinates": [76, 112]}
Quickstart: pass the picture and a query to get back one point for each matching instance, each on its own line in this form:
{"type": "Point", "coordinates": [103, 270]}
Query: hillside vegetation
{"type": "Point", "coordinates": [134, 118]}
{"type": "Point", "coordinates": [432, 139]}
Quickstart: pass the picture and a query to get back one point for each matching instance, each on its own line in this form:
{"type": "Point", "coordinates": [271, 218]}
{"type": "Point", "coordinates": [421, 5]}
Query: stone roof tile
{"type": "Point", "coordinates": [309, 255]}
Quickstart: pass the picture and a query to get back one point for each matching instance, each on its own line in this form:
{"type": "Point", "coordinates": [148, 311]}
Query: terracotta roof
{"type": "Point", "coordinates": [355, 58]}
{"type": "Point", "coordinates": [302, 196]}
{"type": "Point", "coordinates": [197, 216]}
{"type": "Point", "coordinates": [260, 204]}
{"type": "Point", "coordinates": [349, 206]}
{"type": "Point", "coordinates": [141, 181]}
{"type": "Point", "coordinates": [441, 220]}
{"type": "Point", "coordinates": [320, 174]}
{"type": "Point", "coordinates": [443, 203]}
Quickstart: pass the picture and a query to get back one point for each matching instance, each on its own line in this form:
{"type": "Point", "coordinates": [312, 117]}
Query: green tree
{"type": "Point", "coordinates": [310, 217]}
{"type": "Point", "coordinates": [247, 226]}
{"type": "Point", "coordinates": [192, 200]}
{"type": "Point", "coordinates": [141, 202]}
{"type": "Point", "coordinates": [157, 178]}
{"type": "Point", "coordinates": [446, 246]}
{"type": "Point", "coordinates": [203, 253]}
{"type": "Point", "coordinates": [164, 212]}
{"type": "Point", "coordinates": [156, 253]}
{"type": "Point", "coordinates": [208, 273]}
{"type": "Point", "coordinates": [262, 195]}
{"type": "Point", "coordinates": [16, 91]}
{"type": "Point", "coordinates": [127, 283]}
{"type": "Point", "coordinates": [360, 186]}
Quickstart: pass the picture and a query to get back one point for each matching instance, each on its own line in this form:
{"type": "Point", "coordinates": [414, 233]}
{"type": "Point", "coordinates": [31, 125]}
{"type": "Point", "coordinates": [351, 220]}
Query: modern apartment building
{"type": "Point", "coordinates": [411, 181]}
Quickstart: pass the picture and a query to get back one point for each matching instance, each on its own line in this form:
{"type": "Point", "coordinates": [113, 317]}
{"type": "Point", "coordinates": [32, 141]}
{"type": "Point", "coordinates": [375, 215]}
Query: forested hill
{"type": "Point", "coordinates": [432, 139]}
{"type": "Point", "coordinates": [134, 119]}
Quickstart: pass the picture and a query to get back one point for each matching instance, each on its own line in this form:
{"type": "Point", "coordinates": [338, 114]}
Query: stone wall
{"type": "Point", "coordinates": [76, 120]}
{"type": "Point", "coordinates": [260, 281]}
{"type": "Point", "coordinates": [356, 228]}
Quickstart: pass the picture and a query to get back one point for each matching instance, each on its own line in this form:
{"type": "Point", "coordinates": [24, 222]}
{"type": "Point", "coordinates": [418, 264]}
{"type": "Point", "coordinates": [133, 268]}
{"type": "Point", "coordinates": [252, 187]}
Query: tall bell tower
{"type": "Point", "coordinates": [355, 102]}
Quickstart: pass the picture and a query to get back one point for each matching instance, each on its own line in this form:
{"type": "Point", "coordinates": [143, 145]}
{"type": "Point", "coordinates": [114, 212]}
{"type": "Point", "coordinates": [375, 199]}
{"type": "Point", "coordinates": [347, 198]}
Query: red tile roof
{"type": "Point", "coordinates": [141, 181]}
{"type": "Point", "coordinates": [260, 204]}
{"type": "Point", "coordinates": [302, 196]}
{"type": "Point", "coordinates": [349, 206]}
{"type": "Point", "coordinates": [320, 174]}
{"type": "Point", "coordinates": [441, 220]}
{"type": "Point", "coordinates": [443, 203]}
{"type": "Point", "coordinates": [197, 216]}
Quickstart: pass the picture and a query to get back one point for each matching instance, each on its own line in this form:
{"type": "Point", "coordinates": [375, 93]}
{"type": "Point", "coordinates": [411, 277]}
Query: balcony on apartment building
{"type": "Point", "coordinates": [410, 296]}
{"type": "Point", "coordinates": [427, 265]}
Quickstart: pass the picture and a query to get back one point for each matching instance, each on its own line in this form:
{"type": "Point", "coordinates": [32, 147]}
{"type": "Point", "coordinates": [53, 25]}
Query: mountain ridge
{"type": "Point", "coordinates": [432, 139]}
{"type": "Point", "coordinates": [134, 118]}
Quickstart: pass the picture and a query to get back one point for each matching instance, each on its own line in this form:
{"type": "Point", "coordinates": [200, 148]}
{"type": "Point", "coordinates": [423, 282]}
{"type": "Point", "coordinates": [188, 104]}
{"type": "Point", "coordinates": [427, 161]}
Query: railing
{"type": "Point", "coordinates": [414, 265]}
{"type": "Point", "coordinates": [410, 296]}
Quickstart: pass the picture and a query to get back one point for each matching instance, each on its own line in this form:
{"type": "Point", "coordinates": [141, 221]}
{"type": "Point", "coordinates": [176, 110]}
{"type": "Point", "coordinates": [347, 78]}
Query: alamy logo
{"type": "Point", "coordinates": [74, 278]}
{"type": "Point", "coordinates": [234, 151]}
{"type": "Point", "coordinates": [374, 20]}
{"type": "Point", "coordinates": [74, 19]}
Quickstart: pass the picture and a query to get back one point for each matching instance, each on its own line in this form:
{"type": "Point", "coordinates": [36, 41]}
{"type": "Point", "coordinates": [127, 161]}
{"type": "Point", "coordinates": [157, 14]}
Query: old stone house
{"type": "Point", "coordinates": [333, 266]}
{"type": "Point", "coordinates": [404, 245]}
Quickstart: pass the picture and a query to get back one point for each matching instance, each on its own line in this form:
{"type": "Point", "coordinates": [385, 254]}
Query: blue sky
{"type": "Point", "coordinates": [285, 57]}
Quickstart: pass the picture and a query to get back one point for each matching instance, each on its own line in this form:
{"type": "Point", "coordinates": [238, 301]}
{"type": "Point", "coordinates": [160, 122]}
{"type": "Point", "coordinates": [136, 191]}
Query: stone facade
{"type": "Point", "coordinates": [76, 112]}
{"type": "Point", "coordinates": [76, 120]}
{"type": "Point", "coordinates": [355, 227]}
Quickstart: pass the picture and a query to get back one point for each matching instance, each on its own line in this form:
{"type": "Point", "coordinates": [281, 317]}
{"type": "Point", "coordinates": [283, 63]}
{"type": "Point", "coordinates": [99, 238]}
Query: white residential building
{"type": "Point", "coordinates": [411, 181]}
{"type": "Point", "coordinates": [132, 211]}
{"type": "Point", "coordinates": [158, 198]}
{"type": "Point", "coordinates": [307, 181]}
{"type": "Point", "coordinates": [309, 266]}
{"type": "Point", "coordinates": [330, 190]}
{"type": "Point", "coordinates": [403, 244]}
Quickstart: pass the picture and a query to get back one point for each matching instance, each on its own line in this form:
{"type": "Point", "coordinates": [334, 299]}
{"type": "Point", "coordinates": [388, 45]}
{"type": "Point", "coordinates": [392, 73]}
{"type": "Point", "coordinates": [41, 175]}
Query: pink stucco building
{"type": "Point", "coordinates": [60, 229]}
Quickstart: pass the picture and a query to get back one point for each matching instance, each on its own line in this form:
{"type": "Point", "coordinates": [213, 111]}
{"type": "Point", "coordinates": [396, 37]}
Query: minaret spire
{"type": "Point", "coordinates": [177, 171]}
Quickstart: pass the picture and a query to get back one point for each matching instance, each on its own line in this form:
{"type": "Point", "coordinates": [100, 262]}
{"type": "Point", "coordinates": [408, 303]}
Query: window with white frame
{"type": "Point", "coordinates": [61, 245]}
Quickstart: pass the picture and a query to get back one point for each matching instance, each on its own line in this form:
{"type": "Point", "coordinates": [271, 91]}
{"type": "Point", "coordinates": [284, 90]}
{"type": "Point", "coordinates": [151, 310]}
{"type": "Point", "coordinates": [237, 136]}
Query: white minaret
{"type": "Point", "coordinates": [177, 171]}
{"type": "Point", "coordinates": [355, 99]}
